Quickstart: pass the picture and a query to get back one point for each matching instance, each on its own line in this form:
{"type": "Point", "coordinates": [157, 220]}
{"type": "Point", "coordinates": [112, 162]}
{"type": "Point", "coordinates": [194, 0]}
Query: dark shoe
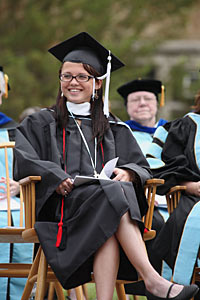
{"type": "Point", "coordinates": [187, 292]}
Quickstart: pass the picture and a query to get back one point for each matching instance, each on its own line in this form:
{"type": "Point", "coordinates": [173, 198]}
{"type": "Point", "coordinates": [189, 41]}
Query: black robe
{"type": "Point", "coordinates": [92, 212]}
{"type": "Point", "coordinates": [181, 158]}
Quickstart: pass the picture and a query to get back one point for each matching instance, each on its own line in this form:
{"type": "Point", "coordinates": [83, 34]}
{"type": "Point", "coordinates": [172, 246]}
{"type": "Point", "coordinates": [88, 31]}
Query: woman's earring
{"type": "Point", "coordinates": [61, 94]}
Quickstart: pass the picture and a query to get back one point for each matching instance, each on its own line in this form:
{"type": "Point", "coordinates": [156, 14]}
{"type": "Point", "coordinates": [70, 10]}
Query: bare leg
{"type": "Point", "coordinates": [130, 238]}
{"type": "Point", "coordinates": [106, 264]}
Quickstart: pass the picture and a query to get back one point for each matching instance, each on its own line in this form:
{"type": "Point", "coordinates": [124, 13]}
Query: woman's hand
{"type": "Point", "coordinates": [193, 188]}
{"type": "Point", "coordinates": [14, 188]}
{"type": "Point", "coordinates": [123, 175]}
{"type": "Point", "coordinates": [65, 187]}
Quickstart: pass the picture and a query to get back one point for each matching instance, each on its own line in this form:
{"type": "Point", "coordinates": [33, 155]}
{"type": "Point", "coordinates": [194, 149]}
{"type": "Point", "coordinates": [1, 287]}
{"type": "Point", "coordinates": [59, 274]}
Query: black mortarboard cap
{"type": "Point", "coordinates": [148, 85]}
{"type": "Point", "coordinates": [85, 49]}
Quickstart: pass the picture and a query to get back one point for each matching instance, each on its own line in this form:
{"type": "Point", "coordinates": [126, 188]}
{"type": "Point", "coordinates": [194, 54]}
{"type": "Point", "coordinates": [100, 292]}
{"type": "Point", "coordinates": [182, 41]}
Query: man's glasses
{"type": "Point", "coordinates": [80, 77]}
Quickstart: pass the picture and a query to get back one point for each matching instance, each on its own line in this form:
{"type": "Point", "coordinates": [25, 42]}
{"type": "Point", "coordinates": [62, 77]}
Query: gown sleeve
{"type": "Point", "coordinates": [174, 162]}
{"type": "Point", "coordinates": [36, 153]}
{"type": "Point", "coordinates": [132, 158]}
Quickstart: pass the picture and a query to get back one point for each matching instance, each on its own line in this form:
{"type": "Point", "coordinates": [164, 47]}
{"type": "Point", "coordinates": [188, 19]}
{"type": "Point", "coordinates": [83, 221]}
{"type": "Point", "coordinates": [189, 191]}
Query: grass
{"type": "Point", "coordinates": [92, 293]}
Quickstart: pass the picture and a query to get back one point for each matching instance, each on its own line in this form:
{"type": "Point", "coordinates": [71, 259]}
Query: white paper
{"type": "Point", "coordinates": [14, 205]}
{"type": "Point", "coordinates": [108, 169]}
{"type": "Point", "coordinates": [161, 200]}
{"type": "Point", "coordinates": [105, 173]}
{"type": "Point", "coordinates": [78, 180]}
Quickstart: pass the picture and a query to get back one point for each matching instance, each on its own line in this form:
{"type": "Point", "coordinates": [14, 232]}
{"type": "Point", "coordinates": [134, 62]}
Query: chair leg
{"type": "Point", "coordinates": [33, 271]}
{"type": "Point", "coordinates": [68, 293]}
{"type": "Point", "coordinates": [51, 290]}
{"type": "Point", "coordinates": [120, 291]}
{"type": "Point", "coordinates": [59, 290]}
{"type": "Point", "coordinates": [85, 291]}
{"type": "Point", "coordinates": [79, 292]}
{"type": "Point", "coordinates": [41, 279]}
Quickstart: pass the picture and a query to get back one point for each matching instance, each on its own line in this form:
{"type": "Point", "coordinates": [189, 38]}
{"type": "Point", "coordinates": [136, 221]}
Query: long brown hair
{"type": "Point", "coordinates": [196, 105]}
{"type": "Point", "coordinates": [99, 122]}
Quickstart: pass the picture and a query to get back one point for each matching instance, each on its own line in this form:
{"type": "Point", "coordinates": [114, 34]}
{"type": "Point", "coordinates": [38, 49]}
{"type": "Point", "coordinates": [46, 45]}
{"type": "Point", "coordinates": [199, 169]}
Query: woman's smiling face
{"type": "Point", "coordinates": [74, 91]}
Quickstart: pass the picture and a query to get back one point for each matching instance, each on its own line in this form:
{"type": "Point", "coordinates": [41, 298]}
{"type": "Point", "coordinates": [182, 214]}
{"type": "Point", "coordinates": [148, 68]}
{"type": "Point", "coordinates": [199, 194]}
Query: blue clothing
{"type": "Point", "coordinates": [155, 150]}
{"type": "Point", "coordinates": [4, 119]}
{"type": "Point", "coordinates": [188, 248]}
{"type": "Point", "coordinates": [144, 134]}
{"type": "Point", "coordinates": [143, 139]}
{"type": "Point", "coordinates": [135, 126]}
{"type": "Point", "coordinates": [21, 252]}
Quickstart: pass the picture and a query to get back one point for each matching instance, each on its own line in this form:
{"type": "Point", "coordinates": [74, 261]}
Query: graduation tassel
{"type": "Point", "coordinates": [60, 226]}
{"type": "Point", "coordinates": [6, 85]}
{"type": "Point", "coordinates": [102, 154]}
{"type": "Point", "coordinates": [107, 76]}
{"type": "Point", "coordinates": [93, 90]}
{"type": "Point", "coordinates": [162, 98]}
{"type": "Point", "coordinates": [106, 99]}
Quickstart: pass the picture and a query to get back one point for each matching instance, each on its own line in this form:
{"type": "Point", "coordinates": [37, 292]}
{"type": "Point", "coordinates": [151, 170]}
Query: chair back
{"type": "Point", "coordinates": [27, 193]}
{"type": "Point", "coordinates": [150, 188]}
{"type": "Point", "coordinates": [173, 197]}
{"type": "Point", "coordinates": [5, 147]}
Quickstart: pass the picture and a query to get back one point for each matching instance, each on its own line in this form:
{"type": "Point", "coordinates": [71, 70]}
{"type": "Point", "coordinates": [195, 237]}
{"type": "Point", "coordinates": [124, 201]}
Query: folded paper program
{"type": "Point", "coordinates": [104, 175]}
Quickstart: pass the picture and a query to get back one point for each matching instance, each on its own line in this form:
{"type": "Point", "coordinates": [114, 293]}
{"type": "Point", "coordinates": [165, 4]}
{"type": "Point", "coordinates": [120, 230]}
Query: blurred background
{"type": "Point", "coordinates": [155, 39]}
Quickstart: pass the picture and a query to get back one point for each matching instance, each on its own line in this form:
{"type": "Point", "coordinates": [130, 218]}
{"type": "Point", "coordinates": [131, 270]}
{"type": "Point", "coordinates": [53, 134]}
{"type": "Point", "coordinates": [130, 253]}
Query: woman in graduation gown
{"type": "Point", "coordinates": [179, 164]}
{"type": "Point", "coordinates": [95, 227]}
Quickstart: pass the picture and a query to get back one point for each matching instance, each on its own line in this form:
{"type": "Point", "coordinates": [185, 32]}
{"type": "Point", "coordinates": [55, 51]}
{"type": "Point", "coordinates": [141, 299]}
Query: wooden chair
{"type": "Point", "coordinates": [173, 197]}
{"type": "Point", "coordinates": [11, 234]}
{"type": "Point", "coordinates": [40, 271]}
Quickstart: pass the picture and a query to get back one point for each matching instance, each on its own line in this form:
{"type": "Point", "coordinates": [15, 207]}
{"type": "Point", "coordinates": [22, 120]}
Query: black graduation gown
{"type": "Point", "coordinates": [181, 157]}
{"type": "Point", "coordinates": [92, 212]}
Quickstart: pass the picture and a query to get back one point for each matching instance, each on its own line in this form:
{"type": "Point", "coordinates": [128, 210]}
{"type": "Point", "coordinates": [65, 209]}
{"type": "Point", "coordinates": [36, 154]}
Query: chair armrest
{"type": "Point", "coordinates": [154, 181]}
{"type": "Point", "coordinates": [176, 188]}
{"type": "Point", "coordinates": [29, 179]}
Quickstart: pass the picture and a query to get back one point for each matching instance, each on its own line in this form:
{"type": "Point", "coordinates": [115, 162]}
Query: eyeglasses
{"type": "Point", "coordinates": [138, 99]}
{"type": "Point", "coordinates": [80, 77]}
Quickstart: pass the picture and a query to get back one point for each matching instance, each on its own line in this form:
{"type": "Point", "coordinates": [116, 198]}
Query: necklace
{"type": "Point", "coordinates": [86, 145]}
